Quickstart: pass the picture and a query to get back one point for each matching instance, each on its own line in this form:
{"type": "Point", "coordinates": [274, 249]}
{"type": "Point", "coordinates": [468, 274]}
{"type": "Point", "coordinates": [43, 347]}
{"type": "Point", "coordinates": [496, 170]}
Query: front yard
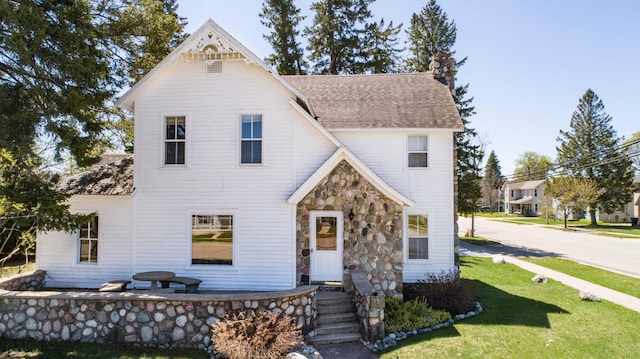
{"type": "Point", "coordinates": [527, 320]}
{"type": "Point", "coordinates": [520, 319]}
{"type": "Point", "coordinates": [619, 230]}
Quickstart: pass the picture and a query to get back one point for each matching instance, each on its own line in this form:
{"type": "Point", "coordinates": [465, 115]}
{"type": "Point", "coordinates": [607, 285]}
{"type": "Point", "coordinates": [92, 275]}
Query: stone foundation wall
{"type": "Point", "coordinates": [25, 281]}
{"type": "Point", "coordinates": [164, 320]}
{"type": "Point", "coordinates": [373, 227]}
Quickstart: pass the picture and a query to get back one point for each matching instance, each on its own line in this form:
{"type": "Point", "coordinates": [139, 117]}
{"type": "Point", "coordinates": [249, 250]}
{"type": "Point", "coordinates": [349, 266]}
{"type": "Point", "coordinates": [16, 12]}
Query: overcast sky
{"type": "Point", "coordinates": [529, 62]}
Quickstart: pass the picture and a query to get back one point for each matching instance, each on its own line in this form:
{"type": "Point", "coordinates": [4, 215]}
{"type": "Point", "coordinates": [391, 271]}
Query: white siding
{"type": "Point", "coordinates": [432, 188]}
{"type": "Point", "coordinates": [213, 182]}
{"type": "Point", "coordinates": [57, 252]}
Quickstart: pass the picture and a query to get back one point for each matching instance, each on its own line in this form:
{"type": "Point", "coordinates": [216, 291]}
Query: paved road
{"type": "Point", "coordinates": [620, 255]}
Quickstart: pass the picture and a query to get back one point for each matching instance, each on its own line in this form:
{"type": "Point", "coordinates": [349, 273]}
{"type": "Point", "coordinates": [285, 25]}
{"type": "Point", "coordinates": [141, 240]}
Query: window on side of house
{"type": "Point", "coordinates": [535, 192]}
{"type": "Point", "coordinates": [175, 140]}
{"type": "Point", "coordinates": [251, 139]}
{"type": "Point", "coordinates": [212, 239]}
{"type": "Point", "coordinates": [417, 151]}
{"type": "Point", "coordinates": [418, 236]}
{"type": "Point", "coordinates": [88, 242]}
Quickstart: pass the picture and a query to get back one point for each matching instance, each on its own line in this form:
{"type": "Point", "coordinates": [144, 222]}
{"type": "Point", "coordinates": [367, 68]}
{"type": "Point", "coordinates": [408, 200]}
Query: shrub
{"type": "Point", "coordinates": [445, 291]}
{"type": "Point", "coordinates": [261, 336]}
{"type": "Point", "coordinates": [410, 315]}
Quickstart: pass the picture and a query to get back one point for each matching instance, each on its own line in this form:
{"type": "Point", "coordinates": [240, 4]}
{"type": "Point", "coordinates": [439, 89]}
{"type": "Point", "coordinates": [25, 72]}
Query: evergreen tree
{"type": "Point", "coordinates": [61, 63]}
{"type": "Point", "coordinates": [431, 32]}
{"type": "Point", "coordinates": [632, 148]}
{"type": "Point", "coordinates": [492, 181]}
{"type": "Point", "coordinates": [381, 48]}
{"type": "Point", "coordinates": [591, 150]}
{"type": "Point", "coordinates": [283, 18]}
{"type": "Point", "coordinates": [336, 35]}
{"type": "Point", "coordinates": [532, 166]}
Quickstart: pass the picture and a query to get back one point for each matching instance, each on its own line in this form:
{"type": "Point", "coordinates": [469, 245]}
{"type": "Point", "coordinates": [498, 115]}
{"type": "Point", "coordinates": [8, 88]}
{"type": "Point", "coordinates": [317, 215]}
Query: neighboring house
{"type": "Point", "coordinates": [524, 198]}
{"type": "Point", "coordinates": [630, 210]}
{"type": "Point", "coordinates": [253, 181]}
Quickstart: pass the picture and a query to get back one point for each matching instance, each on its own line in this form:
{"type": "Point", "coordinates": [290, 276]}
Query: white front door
{"type": "Point", "coordinates": [326, 241]}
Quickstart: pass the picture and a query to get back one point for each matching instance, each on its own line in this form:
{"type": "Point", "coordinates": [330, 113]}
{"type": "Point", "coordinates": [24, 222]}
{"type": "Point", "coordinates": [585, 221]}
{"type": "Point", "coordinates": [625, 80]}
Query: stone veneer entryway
{"type": "Point", "coordinates": [373, 226]}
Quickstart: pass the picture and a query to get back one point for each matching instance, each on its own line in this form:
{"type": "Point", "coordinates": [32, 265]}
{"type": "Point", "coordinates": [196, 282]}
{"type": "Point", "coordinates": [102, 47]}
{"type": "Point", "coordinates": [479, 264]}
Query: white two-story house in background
{"type": "Point", "coordinates": [250, 180]}
{"type": "Point", "coordinates": [525, 198]}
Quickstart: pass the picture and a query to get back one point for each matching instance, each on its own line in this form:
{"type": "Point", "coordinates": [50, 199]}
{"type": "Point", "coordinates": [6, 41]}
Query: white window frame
{"type": "Point", "coordinates": [408, 239]}
{"type": "Point", "coordinates": [164, 140]}
{"type": "Point", "coordinates": [91, 240]}
{"type": "Point", "coordinates": [189, 259]}
{"type": "Point", "coordinates": [252, 139]}
{"type": "Point", "coordinates": [409, 151]}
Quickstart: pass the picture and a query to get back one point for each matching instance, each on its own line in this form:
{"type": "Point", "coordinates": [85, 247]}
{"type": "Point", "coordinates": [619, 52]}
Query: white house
{"type": "Point", "coordinates": [525, 198]}
{"type": "Point", "coordinates": [250, 180]}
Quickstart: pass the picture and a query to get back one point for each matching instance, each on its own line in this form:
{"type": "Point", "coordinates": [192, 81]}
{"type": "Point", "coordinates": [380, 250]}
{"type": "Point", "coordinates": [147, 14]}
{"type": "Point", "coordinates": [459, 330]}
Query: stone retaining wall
{"type": "Point", "coordinates": [164, 320]}
{"type": "Point", "coordinates": [25, 281]}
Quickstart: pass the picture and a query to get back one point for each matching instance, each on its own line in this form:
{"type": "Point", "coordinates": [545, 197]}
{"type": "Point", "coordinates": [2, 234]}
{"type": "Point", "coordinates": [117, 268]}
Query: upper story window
{"type": "Point", "coordinates": [175, 138]}
{"type": "Point", "coordinates": [535, 192]}
{"type": "Point", "coordinates": [251, 140]}
{"type": "Point", "coordinates": [88, 240]}
{"type": "Point", "coordinates": [417, 151]}
{"type": "Point", "coordinates": [418, 235]}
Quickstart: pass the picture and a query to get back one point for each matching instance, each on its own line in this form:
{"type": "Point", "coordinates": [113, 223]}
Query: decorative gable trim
{"type": "Point", "coordinates": [209, 43]}
{"type": "Point", "coordinates": [345, 154]}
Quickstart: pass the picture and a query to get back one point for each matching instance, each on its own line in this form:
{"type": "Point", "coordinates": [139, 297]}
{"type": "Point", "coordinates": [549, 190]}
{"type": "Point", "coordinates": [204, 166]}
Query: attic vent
{"type": "Point", "coordinates": [214, 67]}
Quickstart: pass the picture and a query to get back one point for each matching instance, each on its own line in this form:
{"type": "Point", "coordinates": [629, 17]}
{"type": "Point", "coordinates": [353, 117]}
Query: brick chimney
{"type": "Point", "coordinates": [443, 68]}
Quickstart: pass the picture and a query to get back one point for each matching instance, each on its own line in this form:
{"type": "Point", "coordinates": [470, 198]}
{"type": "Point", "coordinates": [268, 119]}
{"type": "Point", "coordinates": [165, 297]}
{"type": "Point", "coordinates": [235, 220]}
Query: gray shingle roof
{"type": "Point", "coordinates": [113, 175]}
{"type": "Point", "coordinates": [407, 100]}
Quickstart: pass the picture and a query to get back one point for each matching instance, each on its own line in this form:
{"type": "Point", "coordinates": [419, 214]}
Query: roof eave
{"type": "Point", "coordinates": [344, 153]}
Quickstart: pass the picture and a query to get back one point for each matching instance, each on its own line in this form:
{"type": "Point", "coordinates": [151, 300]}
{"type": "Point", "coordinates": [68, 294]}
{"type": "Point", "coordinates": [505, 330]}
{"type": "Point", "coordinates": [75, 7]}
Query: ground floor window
{"type": "Point", "coordinates": [418, 236]}
{"type": "Point", "coordinates": [88, 240]}
{"type": "Point", "coordinates": [212, 239]}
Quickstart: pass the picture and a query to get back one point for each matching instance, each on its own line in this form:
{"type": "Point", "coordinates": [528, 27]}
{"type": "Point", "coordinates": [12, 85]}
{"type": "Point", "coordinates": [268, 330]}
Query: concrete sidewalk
{"type": "Point", "coordinates": [613, 296]}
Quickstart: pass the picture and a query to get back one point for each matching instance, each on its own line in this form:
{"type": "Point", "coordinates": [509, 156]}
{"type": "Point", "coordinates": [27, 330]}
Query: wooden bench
{"type": "Point", "coordinates": [118, 285]}
{"type": "Point", "coordinates": [191, 284]}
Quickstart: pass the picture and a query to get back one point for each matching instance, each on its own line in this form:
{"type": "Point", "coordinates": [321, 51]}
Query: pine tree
{"type": "Point", "coordinates": [61, 63]}
{"type": "Point", "coordinates": [430, 32]}
{"type": "Point", "coordinates": [380, 51]}
{"type": "Point", "coordinates": [492, 181]}
{"type": "Point", "coordinates": [591, 150]}
{"type": "Point", "coordinates": [336, 35]}
{"type": "Point", "coordinates": [282, 17]}
{"type": "Point", "coordinates": [532, 166]}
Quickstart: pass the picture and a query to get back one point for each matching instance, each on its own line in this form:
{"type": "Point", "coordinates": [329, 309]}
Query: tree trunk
{"type": "Point", "coordinates": [592, 213]}
{"type": "Point", "coordinates": [566, 214]}
{"type": "Point", "coordinates": [473, 224]}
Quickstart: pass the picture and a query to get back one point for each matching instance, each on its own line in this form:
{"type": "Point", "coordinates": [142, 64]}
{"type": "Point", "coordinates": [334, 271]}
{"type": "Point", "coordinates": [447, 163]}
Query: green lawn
{"type": "Point", "coordinates": [478, 241]}
{"type": "Point", "coordinates": [527, 320]}
{"type": "Point", "coordinates": [606, 228]}
{"type": "Point", "coordinates": [621, 283]}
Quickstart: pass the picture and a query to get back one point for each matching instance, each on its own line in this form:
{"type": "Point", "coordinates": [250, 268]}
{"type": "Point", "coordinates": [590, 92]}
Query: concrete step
{"type": "Point", "coordinates": [334, 338]}
{"type": "Point", "coordinates": [328, 298]}
{"type": "Point", "coordinates": [334, 308]}
{"type": "Point", "coordinates": [338, 328]}
{"type": "Point", "coordinates": [336, 318]}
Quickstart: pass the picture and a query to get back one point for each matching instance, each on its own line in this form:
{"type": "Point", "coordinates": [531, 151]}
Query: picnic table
{"type": "Point", "coordinates": [154, 277]}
